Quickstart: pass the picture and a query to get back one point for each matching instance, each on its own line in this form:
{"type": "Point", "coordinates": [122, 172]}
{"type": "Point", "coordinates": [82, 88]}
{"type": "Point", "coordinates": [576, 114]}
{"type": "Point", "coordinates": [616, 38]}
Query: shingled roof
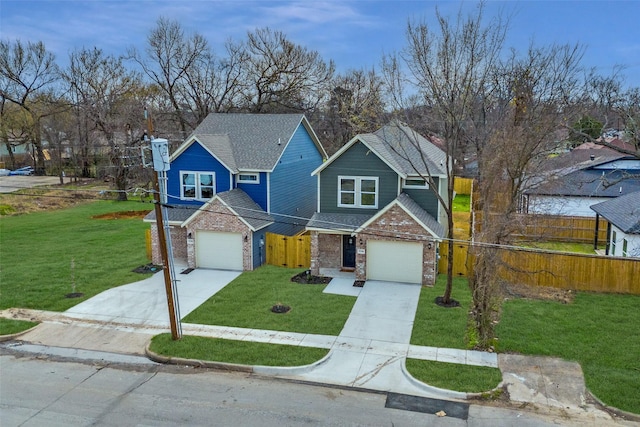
{"type": "Point", "coordinates": [248, 142]}
{"type": "Point", "coordinates": [623, 212]}
{"type": "Point", "coordinates": [403, 149]}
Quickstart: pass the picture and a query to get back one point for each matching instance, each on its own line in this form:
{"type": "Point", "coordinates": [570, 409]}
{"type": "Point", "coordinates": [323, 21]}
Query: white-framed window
{"type": "Point", "coordinates": [358, 192]}
{"type": "Point", "coordinates": [624, 248]}
{"type": "Point", "coordinates": [197, 185]}
{"type": "Point", "coordinates": [415, 182]}
{"type": "Point", "coordinates": [613, 242]}
{"type": "Point", "coordinates": [248, 178]}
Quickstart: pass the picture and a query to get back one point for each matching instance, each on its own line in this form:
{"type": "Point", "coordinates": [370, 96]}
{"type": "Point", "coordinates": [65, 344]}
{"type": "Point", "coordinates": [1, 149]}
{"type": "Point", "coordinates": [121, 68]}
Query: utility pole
{"type": "Point", "coordinates": [167, 269]}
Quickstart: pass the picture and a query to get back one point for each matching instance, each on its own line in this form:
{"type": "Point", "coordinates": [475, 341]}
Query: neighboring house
{"type": "Point", "coordinates": [236, 177]}
{"type": "Point", "coordinates": [576, 180]}
{"type": "Point", "coordinates": [623, 224]}
{"type": "Point", "coordinates": [377, 214]}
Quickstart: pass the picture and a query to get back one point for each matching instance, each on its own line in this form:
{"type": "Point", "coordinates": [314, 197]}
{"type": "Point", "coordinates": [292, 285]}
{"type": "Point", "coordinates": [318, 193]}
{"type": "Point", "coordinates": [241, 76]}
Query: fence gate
{"type": "Point", "coordinates": [288, 251]}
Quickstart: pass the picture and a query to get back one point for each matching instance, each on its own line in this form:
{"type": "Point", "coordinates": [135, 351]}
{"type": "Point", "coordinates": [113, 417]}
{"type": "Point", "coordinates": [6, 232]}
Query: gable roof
{"type": "Point", "coordinates": [589, 183]}
{"type": "Point", "coordinates": [623, 212]}
{"type": "Point", "coordinates": [402, 149]}
{"type": "Point", "coordinates": [236, 200]}
{"type": "Point", "coordinates": [242, 206]}
{"type": "Point", "coordinates": [248, 142]}
{"type": "Point", "coordinates": [421, 216]}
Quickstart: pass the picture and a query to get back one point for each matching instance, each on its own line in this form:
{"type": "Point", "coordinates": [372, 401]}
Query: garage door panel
{"type": "Point", "coordinates": [394, 261]}
{"type": "Point", "coordinates": [219, 250]}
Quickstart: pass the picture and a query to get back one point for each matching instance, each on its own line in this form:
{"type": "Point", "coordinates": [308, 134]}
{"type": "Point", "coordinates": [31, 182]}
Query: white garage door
{"type": "Point", "coordinates": [219, 250]}
{"type": "Point", "coordinates": [394, 261]}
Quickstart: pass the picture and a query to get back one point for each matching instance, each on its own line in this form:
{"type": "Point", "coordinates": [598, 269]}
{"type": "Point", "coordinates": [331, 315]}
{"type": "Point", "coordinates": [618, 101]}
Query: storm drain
{"type": "Point", "coordinates": [428, 406]}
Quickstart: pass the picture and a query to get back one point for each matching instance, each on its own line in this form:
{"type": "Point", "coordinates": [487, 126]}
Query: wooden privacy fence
{"type": "Point", "coordinates": [572, 271]}
{"type": "Point", "coordinates": [579, 272]}
{"type": "Point", "coordinates": [555, 228]}
{"type": "Point", "coordinates": [288, 251]}
{"type": "Point", "coordinates": [463, 185]}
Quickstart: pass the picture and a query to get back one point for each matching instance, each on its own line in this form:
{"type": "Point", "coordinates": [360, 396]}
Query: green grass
{"type": "Point", "coordinates": [12, 326]}
{"type": "Point", "coordinates": [246, 302]}
{"type": "Point", "coordinates": [581, 248]}
{"type": "Point", "coordinates": [600, 331]}
{"type": "Point", "coordinates": [37, 250]}
{"type": "Point", "coordinates": [451, 376]}
{"type": "Point", "coordinates": [239, 352]}
{"type": "Point", "coordinates": [438, 326]}
{"type": "Point", "coordinates": [462, 203]}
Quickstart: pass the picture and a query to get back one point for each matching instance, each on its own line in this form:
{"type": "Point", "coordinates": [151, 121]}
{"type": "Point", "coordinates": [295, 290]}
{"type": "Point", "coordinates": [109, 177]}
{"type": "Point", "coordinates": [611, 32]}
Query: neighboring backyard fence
{"type": "Point", "coordinates": [288, 251]}
{"type": "Point", "coordinates": [463, 185]}
{"type": "Point", "coordinates": [559, 270]}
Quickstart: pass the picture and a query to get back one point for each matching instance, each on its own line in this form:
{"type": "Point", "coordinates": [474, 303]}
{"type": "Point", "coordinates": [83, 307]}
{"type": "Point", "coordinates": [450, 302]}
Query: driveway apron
{"type": "Point", "coordinates": [144, 303]}
{"type": "Point", "coordinates": [371, 349]}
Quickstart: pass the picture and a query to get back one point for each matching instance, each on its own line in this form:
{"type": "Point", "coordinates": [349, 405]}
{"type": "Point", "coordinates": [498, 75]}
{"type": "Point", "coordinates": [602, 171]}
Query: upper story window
{"type": "Point", "coordinates": [415, 182]}
{"type": "Point", "coordinates": [197, 185]}
{"type": "Point", "coordinates": [248, 178]}
{"type": "Point", "coordinates": [358, 192]}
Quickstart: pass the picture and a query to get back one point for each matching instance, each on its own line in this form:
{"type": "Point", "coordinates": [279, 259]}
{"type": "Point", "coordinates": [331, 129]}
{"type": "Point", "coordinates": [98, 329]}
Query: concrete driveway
{"type": "Point", "coordinates": [144, 303]}
{"type": "Point", "coordinates": [371, 348]}
{"type": "Point", "coordinates": [9, 184]}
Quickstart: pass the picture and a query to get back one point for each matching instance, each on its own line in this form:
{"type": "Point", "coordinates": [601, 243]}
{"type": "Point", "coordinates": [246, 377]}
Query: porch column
{"type": "Point", "coordinates": [595, 238]}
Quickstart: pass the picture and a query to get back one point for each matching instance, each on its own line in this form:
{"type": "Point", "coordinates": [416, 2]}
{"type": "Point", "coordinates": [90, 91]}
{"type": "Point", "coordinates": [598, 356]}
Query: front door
{"type": "Point", "coordinates": [348, 251]}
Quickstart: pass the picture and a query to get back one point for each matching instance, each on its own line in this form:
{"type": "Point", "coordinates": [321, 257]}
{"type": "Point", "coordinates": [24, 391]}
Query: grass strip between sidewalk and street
{"type": "Point", "coordinates": [452, 376]}
{"type": "Point", "coordinates": [12, 326]}
{"type": "Point", "coordinates": [237, 352]}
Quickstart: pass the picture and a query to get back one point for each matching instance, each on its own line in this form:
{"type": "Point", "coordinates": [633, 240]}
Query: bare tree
{"type": "Point", "coordinates": [28, 73]}
{"type": "Point", "coordinates": [514, 129]}
{"type": "Point", "coordinates": [108, 94]}
{"type": "Point", "coordinates": [450, 66]}
{"type": "Point", "coordinates": [355, 105]}
{"type": "Point", "coordinates": [280, 75]}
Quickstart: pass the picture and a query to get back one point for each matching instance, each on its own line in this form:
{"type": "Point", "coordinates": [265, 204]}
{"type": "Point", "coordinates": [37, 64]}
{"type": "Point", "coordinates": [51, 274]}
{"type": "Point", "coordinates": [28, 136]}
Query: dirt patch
{"type": "Point", "coordinates": [511, 291]}
{"type": "Point", "coordinates": [122, 215]}
{"type": "Point", "coordinates": [451, 304]}
{"type": "Point", "coordinates": [308, 279]}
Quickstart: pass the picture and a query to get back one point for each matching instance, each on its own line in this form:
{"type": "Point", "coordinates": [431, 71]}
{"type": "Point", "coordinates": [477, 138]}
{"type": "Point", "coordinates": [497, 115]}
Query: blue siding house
{"type": "Point", "coordinates": [379, 207]}
{"type": "Point", "coordinates": [236, 177]}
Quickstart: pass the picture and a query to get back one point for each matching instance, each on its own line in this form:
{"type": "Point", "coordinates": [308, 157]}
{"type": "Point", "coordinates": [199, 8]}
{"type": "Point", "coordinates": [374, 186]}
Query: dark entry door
{"type": "Point", "coordinates": [348, 251]}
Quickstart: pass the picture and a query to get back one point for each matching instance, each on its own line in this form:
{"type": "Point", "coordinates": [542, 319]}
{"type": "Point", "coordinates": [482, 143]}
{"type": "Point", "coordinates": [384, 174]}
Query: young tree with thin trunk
{"type": "Point", "coordinates": [450, 65]}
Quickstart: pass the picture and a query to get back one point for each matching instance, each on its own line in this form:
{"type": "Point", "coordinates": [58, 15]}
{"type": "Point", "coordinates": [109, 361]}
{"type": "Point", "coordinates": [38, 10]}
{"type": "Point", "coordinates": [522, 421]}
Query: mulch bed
{"type": "Point", "coordinates": [148, 268]}
{"type": "Point", "coordinates": [309, 279]}
{"type": "Point", "coordinates": [280, 308]}
{"type": "Point", "coordinates": [451, 304]}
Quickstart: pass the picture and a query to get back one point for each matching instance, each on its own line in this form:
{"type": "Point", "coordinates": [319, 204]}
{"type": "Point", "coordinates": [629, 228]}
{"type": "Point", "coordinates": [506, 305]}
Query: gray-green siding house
{"type": "Point", "coordinates": [378, 212]}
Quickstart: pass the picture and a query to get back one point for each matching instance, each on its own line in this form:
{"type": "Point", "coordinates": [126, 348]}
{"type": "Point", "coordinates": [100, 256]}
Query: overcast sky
{"type": "Point", "coordinates": [355, 34]}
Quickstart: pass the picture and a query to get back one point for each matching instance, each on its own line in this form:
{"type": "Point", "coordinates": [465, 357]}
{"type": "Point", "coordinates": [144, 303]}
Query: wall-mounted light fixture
{"type": "Point", "coordinates": [189, 236]}
{"type": "Point", "coordinates": [246, 238]}
{"type": "Point", "coordinates": [361, 240]}
{"type": "Point", "coordinates": [429, 245]}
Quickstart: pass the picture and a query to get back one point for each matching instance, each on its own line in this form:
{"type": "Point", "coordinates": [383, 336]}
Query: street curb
{"type": "Point", "coordinates": [628, 415]}
{"type": "Point", "coordinates": [11, 337]}
{"type": "Point", "coordinates": [290, 370]}
{"type": "Point", "coordinates": [195, 362]}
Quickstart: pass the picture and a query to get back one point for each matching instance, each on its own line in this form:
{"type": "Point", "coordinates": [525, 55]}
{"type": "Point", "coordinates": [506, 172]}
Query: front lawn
{"type": "Point", "coordinates": [246, 303]}
{"type": "Point", "coordinates": [38, 250]}
{"type": "Point", "coordinates": [600, 331]}
{"type": "Point", "coordinates": [437, 326]}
